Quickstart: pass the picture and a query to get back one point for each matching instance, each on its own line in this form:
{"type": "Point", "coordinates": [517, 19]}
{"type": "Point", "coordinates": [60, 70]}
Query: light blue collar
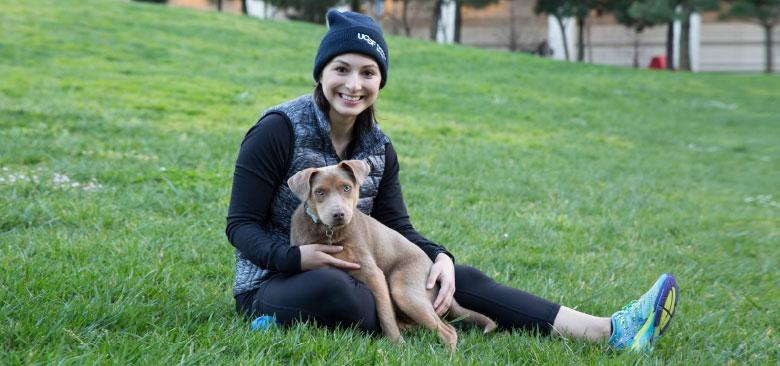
{"type": "Point", "coordinates": [311, 214]}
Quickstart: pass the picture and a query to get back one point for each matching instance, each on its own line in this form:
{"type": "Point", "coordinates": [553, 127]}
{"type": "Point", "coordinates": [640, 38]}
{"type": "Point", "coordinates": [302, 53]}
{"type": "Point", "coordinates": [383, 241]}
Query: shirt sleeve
{"type": "Point", "coordinates": [389, 207]}
{"type": "Point", "coordinates": [260, 168]}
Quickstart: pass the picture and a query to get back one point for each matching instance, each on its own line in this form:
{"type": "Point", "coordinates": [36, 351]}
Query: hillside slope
{"type": "Point", "coordinates": [120, 124]}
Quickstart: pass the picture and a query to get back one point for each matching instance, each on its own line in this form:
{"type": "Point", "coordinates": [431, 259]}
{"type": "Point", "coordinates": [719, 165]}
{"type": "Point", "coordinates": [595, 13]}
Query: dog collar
{"type": "Point", "coordinates": [311, 214]}
{"type": "Point", "coordinates": [313, 217]}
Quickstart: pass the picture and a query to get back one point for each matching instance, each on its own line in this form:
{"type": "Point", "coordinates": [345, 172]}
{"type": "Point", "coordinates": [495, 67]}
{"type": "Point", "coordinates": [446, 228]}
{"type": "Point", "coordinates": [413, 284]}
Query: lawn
{"type": "Point", "coordinates": [119, 127]}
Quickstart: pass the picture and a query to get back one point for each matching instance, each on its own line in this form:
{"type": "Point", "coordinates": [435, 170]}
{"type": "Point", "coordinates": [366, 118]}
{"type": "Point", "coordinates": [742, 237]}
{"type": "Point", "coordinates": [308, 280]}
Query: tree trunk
{"type": "Point", "coordinates": [513, 38]}
{"type": "Point", "coordinates": [458, 21]}
{"type": "Point", "coordinates": [436, 19]}
{"type": "Point", "coordinates": [685, 36]}
{"type": "Point", "coordinates": [219, 5]}
{"type": "Point", "coordinates": [354, 5]}
{"type": "Point", "coordinates": [563, 36]}
{"type": "Point", "coordinates": [243, 7]}
{"type": "Point", "coordinates": [580, 39]}
{"type": "Point", "coordinates": [768, 28]}
{"type": "Point", "coordinates": [670, 45]}
{"type": "Point", "coordinates": [405, 18]}
{"type": "Point", "coordinates": [636, 49]}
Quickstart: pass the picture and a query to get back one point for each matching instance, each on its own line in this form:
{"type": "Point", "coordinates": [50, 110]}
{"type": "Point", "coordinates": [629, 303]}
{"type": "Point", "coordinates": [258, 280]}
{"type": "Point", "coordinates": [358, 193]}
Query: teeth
{"type": "Point", "coordinates": [350, 98]}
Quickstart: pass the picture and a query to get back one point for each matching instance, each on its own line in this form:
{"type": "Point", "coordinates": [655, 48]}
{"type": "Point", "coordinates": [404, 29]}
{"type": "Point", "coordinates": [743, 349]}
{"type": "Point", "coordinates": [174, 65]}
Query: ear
{"type": "Point", "coordinates": [300, 183]}
{"type": "Point", "coordinates": [358, 168]}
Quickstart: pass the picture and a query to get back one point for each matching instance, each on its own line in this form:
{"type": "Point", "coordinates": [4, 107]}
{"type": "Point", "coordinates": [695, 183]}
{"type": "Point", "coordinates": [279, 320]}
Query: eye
{"type": "Point", "coordinates": [369, 73]}
{"type": "Point", "coordinates": [340, 69]}
{"type": "Point", "coordinates": [347, 188]}
{"type": "Point", "coordinates": [319, 192]}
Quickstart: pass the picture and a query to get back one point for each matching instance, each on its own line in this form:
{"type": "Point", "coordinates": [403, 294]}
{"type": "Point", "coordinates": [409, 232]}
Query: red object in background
{"type": "Point", "coordinates": [658, 62]}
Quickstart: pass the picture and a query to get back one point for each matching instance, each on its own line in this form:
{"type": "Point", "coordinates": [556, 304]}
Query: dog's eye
{"type": "Point", "coordinates": [318, 192]}
{"type": "Point", "coordinates": [347, 188]}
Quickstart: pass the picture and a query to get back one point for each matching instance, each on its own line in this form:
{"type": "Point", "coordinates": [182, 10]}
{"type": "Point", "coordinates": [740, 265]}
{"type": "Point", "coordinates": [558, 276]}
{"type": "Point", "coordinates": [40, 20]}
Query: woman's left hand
{"type": "Point", "coordinates": [443, 272]}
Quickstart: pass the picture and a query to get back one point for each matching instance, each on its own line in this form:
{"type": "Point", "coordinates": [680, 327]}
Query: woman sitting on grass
{"type": "Point", "coordinates": [307, 283]}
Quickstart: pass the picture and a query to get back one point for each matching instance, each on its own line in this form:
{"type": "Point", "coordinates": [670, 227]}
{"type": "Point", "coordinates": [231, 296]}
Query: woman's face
{"type": "Point", "coordinates": [350, 83]}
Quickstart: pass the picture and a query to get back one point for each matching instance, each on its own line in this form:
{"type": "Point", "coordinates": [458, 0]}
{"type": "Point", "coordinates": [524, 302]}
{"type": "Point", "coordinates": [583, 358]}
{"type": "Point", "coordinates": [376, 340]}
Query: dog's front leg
{"type": "Point", "coordinates": [374, 278]}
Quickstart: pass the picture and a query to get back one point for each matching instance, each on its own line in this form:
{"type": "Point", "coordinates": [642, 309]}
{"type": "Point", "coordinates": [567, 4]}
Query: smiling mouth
{"type": "Point", "coordinates": [350, 98]}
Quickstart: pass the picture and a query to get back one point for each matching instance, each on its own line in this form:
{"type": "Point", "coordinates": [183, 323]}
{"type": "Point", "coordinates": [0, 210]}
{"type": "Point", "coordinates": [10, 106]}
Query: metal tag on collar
{"type": "Point", "coordinates": [329, 235]}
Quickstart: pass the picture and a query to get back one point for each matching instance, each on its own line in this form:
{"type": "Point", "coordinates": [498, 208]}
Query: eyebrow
{"type": "Point", "coordinates": [360, 67]}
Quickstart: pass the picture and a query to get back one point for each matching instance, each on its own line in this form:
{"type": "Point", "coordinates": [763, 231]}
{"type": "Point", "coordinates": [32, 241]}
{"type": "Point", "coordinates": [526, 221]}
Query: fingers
{"type": "Point", "coordinates": [315, 256]}
{"type": "Point", "coordinates": [444, 299]}
{"type": "Point", "coordinates": [444, 306]}
{"type": "Point", "coordinates": [338, 263]}
{"type": "Point", "coordinates": [432, 277]}
{"type": "Point", "coordinates": [332, 261]}
{"type": "Point", "coordinates": [330, 249]}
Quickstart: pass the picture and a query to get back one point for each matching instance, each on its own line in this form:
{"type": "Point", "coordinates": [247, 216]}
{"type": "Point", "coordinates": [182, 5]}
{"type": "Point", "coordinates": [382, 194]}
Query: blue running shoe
{"type": "Point", "coordinates": [264, 322]}
{"type": "Point", "coordinates": [639, 324]}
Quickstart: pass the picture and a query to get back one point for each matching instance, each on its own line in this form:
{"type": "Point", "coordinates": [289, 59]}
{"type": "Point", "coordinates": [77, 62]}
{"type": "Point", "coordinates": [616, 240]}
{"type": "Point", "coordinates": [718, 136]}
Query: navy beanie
{"type": "Point", "coordinates": [350, 32]}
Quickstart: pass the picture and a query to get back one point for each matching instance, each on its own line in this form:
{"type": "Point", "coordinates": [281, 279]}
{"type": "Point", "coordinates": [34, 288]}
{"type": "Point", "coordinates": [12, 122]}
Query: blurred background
{"type": "Point", "coordinates": [690, 35]}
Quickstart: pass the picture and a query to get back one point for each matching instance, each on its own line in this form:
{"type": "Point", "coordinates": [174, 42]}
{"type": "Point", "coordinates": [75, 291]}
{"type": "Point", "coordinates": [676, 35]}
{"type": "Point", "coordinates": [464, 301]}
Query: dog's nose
{"type": "Point", "coordinates": [338, 215]}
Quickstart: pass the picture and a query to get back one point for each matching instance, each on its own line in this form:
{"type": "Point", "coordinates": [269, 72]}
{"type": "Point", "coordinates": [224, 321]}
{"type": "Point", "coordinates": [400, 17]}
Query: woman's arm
{"type": "Point", "coordinates": [260, 168]}
{"type": "Point", "coordinates": [389, 207]}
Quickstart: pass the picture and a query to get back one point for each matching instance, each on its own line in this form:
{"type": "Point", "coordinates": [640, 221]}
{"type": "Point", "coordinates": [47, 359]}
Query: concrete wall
{"type": "Point", "coordinates": [512, 25]}
{"type": "Point", "coordinates": [722, 46]}
{"type": "Point", "coordinates": [491, 27]}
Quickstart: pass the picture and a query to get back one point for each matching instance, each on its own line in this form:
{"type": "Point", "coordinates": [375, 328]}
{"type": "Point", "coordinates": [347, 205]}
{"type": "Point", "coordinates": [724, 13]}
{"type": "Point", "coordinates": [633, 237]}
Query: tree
{"type": "Point", "coordinates": [217, 3]}
{"type": "Point", "coordinates": [405, 18]}
{"type": "Point", "coordinates": [459, 4]}
{"type": "Point", "coordinates": [436, 18]}
{"type": "Point", "coordinates": [688, 7]}
{"type": "Point", "coordinates": [641, 14]}
{"type": "Point", "coordinates": [766, 12]}
{"type": "Point", "coordinates": [307, 10]}
{"type": "Point", "coordinates": [354, 5]}
{"type": "Point", "coordinates": [559, 9]}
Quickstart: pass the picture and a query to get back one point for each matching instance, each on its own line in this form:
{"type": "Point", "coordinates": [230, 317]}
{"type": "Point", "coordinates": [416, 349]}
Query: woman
{"type": "Point", "coordinates": [307, 283]}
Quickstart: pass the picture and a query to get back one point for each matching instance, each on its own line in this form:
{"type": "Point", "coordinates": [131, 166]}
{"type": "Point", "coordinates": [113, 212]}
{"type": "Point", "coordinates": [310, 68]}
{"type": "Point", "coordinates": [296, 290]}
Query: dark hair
{"type": "Point", "coordinates": [364, 122]}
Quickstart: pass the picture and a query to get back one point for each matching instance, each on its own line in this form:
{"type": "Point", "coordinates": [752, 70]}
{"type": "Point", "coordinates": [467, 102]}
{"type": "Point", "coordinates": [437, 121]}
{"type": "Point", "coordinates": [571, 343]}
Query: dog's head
{"type": "Point", "coordinates": [331, 192]}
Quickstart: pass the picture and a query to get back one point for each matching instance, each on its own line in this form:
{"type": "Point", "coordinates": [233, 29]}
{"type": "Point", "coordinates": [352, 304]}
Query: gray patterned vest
{"type": "Point", "coordinates": [312, 147]}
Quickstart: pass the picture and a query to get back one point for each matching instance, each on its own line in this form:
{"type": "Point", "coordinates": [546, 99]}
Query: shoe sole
{"type": "Point", "coordinates": [658, 322]}
{"type": "Point", "coordinates": [666, 305]}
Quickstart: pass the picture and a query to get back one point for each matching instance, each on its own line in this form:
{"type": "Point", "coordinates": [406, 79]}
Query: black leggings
{"type": "Point", "coordinates": [333, 298]}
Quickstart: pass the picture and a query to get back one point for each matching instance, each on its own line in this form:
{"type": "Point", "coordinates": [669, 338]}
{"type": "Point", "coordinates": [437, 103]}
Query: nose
{"type": "Point", "coordinates": [353, 82]}
{"type": "Point", "coordinates": [338, 215]}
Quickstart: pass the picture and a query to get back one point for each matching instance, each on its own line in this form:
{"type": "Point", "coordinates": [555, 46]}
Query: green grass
{"type": "Point", "coordinates": [578, 183]}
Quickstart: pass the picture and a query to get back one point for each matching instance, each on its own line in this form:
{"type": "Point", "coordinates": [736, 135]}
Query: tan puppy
{"type": "Point", "coordinates": [393, 268]}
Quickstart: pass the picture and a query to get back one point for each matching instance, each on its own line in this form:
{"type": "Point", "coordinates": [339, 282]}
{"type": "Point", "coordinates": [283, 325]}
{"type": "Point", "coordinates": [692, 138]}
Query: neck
{"type": "Point", "coordinates": [340, 127]}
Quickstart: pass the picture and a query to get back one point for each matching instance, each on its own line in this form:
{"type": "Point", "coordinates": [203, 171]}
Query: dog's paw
{"type": "Point", "coordinates": [490, 327]}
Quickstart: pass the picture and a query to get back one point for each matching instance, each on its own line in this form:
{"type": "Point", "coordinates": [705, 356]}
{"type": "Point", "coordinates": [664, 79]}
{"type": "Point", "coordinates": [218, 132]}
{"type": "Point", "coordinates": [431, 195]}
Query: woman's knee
{"type": "Point", "coordinates": [467, 276]}
{"type": "Point", "coordinates": [341, 296]}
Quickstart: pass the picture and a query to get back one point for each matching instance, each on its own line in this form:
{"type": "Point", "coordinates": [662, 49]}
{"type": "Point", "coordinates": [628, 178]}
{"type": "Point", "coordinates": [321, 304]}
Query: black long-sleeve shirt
{"type": "Point", "coordinates": [261, 167]}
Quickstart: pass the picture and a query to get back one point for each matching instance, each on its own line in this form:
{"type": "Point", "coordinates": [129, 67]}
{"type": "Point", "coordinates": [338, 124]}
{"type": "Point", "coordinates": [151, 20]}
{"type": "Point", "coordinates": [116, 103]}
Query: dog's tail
{"type": "Point", "coordinates": [472, 317]}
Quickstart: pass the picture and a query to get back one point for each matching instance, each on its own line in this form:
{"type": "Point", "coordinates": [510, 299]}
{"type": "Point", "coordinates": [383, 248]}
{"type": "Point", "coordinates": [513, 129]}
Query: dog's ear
{"type": "Point", "coordinates": [300, 183]}
{"type": "Point", "coordinates": [358, 168]}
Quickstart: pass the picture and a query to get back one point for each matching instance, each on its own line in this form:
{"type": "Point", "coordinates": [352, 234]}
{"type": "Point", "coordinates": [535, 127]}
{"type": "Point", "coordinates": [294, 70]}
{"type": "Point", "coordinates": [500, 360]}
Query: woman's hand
{"type": "Point", "coordinates": [315, 256]}
{"type": "Point", "coordinates": [443, 272]}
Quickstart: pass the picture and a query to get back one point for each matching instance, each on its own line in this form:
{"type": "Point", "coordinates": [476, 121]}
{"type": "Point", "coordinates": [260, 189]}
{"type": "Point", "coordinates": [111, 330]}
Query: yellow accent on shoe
{"type": "Point", "coordinates": [667, 309]}
{"type": "Point", "coordinates": [644, 337]}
